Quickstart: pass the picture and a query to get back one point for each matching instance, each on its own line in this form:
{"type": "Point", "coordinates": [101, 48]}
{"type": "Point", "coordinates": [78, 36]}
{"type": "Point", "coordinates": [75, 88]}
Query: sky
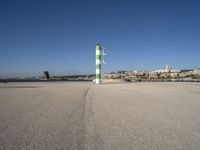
{"type": "Point", "coordinates": [60, 35]}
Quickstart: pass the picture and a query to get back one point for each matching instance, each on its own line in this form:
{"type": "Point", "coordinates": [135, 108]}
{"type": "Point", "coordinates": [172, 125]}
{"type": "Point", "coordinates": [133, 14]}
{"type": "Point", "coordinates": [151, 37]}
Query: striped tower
{"type": "Point", "coordinates": [98, 63]}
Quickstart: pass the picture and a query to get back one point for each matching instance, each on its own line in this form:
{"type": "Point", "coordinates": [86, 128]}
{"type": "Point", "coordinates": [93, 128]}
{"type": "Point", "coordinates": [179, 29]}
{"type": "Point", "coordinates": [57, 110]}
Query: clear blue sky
{"type": "Point", "coordinates": [60, 36]}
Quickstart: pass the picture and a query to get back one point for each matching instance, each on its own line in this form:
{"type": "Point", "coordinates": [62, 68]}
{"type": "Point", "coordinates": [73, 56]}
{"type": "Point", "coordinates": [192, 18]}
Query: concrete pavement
{"type": "Point", "coordinates": [143, 116]}
{"type": "Point", "coordinates": [42, 116]}
{"type": "Point", "coordinates": [76, 116]}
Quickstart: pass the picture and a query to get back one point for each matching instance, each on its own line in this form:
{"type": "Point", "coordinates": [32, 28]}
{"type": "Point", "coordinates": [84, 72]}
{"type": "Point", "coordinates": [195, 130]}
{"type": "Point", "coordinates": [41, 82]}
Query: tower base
{"type": "Point", "coordinates": [97, 81]}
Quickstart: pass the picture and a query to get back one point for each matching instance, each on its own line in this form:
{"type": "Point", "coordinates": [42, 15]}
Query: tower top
{"type": "Point", "coordinates": [98, 47]}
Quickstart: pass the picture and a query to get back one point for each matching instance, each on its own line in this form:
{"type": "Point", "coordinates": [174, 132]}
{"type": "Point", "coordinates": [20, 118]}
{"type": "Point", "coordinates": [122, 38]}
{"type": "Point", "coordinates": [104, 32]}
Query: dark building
{"type": "Point", "coordinates": [46, 75]}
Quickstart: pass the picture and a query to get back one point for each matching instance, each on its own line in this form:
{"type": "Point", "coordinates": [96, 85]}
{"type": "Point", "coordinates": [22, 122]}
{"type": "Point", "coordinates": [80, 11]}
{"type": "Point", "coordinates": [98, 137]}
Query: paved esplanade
{"type": "Point", "coordinates": [135, 116]}
{"type": "Point", "coordinates": [143, 116]}
{"type": "Point", "coordinates": [42, 116]}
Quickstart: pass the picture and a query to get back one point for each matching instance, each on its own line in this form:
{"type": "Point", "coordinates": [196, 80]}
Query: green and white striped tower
{"type": "Point", "coordinates": [98, 63]}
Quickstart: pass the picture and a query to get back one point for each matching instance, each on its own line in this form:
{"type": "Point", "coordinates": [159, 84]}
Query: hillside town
{"type": "Point", "coordinates": [166, 74]}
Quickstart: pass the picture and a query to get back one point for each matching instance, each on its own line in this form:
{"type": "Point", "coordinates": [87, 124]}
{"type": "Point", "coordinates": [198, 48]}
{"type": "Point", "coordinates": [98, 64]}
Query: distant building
{"type": "Point", "coordinates": [167, 69]}
{"type": "Point", "coordinates": [46, 75]}
{"type": "Point", "coordinates": [196, 71]}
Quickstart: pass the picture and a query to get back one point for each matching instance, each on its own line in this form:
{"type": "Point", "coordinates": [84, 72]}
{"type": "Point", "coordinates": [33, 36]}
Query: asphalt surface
{"type": "Point", "coordinates": [42, 116]}
{"type": "Point", "coordinates": [83, 116]}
